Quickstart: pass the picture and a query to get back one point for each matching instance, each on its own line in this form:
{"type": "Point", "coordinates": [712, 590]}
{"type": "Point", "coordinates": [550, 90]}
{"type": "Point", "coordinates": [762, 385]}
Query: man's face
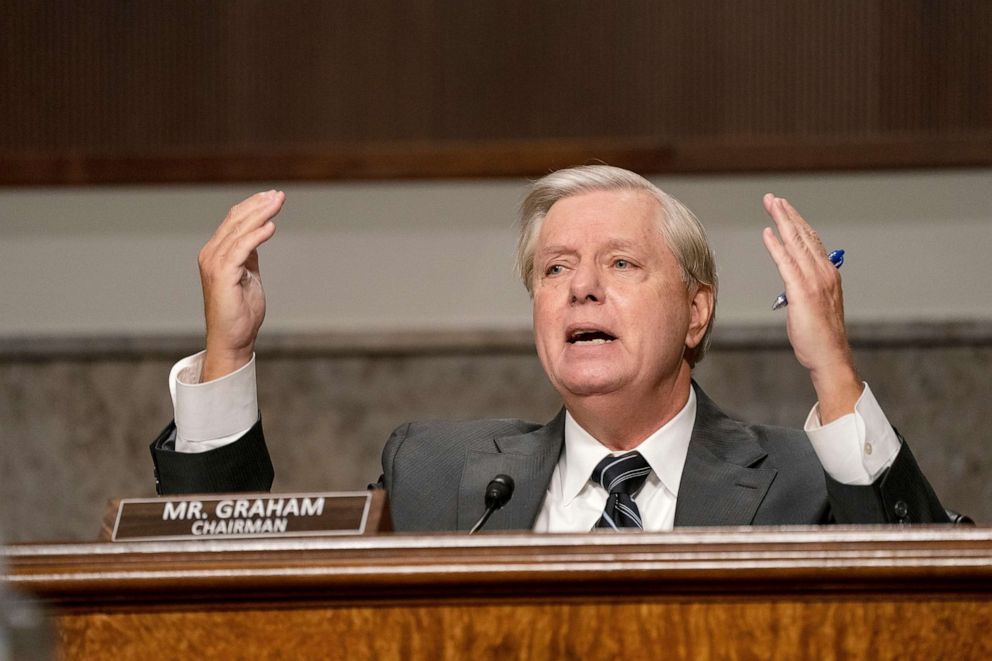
{"type": "Point", "coordinates": [611, 312]}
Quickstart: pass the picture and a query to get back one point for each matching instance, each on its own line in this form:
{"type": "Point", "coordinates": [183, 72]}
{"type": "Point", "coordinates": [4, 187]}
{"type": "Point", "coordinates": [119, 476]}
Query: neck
{"type": "Point", "coordinates": [622, 420]}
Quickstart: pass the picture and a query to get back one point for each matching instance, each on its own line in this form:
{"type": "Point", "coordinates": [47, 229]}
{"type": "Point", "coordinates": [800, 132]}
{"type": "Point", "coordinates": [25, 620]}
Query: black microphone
{"type": "Point", "coordinates": [498, 493]}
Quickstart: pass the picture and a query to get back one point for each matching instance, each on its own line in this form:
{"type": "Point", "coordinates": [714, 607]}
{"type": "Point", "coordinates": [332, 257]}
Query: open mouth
{"type": "Point", "coordinates": [590, 336]}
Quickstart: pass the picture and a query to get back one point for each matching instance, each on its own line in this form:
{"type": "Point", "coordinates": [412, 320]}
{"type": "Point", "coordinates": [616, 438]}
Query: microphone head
{"type": "Point", "coordinates": [498, 491]}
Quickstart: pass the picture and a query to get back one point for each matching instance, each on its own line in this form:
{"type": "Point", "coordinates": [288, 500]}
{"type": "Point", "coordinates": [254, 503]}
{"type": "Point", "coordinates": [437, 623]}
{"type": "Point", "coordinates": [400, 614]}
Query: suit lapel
{"type": "Point", "coordinates": [720, 485]}
{"type": "Point", "coordinates": [529, 459]}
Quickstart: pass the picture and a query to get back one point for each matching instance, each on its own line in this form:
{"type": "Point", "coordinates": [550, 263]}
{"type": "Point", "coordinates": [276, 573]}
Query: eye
{"type": "Point", "coordinates": [621, 264]}
{"type": "Point", "coordinates": [554, 269]}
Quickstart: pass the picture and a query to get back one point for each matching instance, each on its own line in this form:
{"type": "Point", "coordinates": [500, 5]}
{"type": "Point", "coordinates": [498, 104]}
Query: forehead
{"type": "Point", "coordinates": [603, 217]}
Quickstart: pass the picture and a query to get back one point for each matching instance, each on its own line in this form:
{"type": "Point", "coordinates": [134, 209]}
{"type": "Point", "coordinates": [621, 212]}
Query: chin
{"type": "Point", "coordinates": [589, 385]}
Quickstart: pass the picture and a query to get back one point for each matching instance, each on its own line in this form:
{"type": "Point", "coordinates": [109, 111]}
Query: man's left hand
{"type": "Point", "coordinates": [815, 314]}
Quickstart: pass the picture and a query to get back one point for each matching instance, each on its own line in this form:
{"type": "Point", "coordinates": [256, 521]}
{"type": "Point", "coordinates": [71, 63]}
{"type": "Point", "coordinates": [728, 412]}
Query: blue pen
{"type": "Point", "coordinates": [836, 258]}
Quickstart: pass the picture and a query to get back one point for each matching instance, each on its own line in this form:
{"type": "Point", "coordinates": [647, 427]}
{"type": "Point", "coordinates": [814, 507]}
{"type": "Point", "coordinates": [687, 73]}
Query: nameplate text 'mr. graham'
{"type": "Point", "coordinates": [242, 515]}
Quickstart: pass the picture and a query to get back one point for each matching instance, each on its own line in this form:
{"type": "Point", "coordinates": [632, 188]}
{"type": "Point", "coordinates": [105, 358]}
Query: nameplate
{"type": "Point", "coordinates": [239, 516]}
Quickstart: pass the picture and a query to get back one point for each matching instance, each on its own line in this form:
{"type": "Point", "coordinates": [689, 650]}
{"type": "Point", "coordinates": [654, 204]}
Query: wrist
{"type": "Point", "coordinates": [218, 363]}
{"type": "Point", "coordinates": [838, 388]}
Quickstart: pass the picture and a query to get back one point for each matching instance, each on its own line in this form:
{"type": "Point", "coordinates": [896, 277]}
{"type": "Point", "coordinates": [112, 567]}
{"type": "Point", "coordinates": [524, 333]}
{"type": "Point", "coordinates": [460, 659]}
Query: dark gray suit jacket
{"type": "Point", "coordinates": [436, 474]}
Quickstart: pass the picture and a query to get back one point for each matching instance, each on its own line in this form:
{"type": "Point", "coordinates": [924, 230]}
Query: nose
{"type": "Point", "coordinates": [585, 286]}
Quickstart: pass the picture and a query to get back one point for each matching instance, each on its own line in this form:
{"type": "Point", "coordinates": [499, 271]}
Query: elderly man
{"type": "Point", "coordinates": [624, 289]}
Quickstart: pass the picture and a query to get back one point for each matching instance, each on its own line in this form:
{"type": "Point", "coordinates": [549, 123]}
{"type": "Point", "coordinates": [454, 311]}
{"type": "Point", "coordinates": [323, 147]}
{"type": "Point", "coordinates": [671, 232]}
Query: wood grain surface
{"type": "Point", "coordinates": [766, 593]}
{"type": "Point", "coordinates": [760, 628]}
{"type": "Point", "coordinates": [211, 90]}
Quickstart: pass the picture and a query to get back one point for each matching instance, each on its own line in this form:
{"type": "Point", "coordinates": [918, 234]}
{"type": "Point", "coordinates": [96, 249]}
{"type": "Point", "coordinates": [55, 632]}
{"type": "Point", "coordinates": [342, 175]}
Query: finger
{"type": "Point", "coordinates": [249, 213]}
{"type": "Point", "coordinates": [251, 219]}
{"type": "Point", "coordinates": [242, 256]}
{"type": "Point", "coordinates": [793, 276]}
{"type": "Point", "coordinates": [226, 263]}
{"type": "Point", "coordinates": [810, 236]}
{"type": "Point", "coordinates": [787, 229]}
{"type": "Point", "coordinates": [768, 200]}
{"type": "Point", "coordinates": [783, 260]}
{"type": "Point", "coordinates": [798, 239]}
{"type": "Point", "coordinates": [237, 212]}
{"type": "Point", "coordinates": [252, 216]}
{"type": "Point", "coordinates": [245, 246]}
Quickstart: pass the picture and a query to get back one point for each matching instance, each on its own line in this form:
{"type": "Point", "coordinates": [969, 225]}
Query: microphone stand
{"type": "Point", "coordinates": [498, 493]}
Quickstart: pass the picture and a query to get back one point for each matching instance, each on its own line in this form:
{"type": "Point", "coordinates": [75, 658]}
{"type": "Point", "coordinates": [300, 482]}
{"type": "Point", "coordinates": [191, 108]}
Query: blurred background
{"type": "Point", "coordinates": [404, 134]}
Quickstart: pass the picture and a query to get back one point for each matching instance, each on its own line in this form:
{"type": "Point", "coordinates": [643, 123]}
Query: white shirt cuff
{"type": "Point", "coordinates": [855, 448]}
{"type": "Point", "coordinates": [209, 415]}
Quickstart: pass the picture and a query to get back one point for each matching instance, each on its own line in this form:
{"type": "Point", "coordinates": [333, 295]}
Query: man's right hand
{"type": "Point", "coordinates": [233, 299]}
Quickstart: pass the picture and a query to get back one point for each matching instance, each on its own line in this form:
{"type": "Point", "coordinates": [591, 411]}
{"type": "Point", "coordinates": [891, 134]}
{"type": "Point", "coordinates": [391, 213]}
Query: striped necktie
{"type": "Point", "coordinates": [622, 477]}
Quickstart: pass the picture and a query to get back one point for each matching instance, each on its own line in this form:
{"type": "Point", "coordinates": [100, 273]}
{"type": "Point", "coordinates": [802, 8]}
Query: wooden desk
{"type": "Point", "coordinates": [758, 593]}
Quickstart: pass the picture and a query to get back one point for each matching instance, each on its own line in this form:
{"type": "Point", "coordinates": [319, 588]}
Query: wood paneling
{"type": "Point", "coordinates": [738, 562]}
{"type": "Point", "coordinates": [187, 90]}
{"type": "Point", "coordinates": [824, 593]}
{"type": "Point", "coordinates": [767, 628]}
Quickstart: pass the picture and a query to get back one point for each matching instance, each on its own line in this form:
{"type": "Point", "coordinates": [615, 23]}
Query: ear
{"type": "Point", "coordinates": [700, 312]}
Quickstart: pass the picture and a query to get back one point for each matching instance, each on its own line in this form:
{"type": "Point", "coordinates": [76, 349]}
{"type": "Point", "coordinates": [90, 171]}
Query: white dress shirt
{"type": "Point", "coordinates": [854, 449]}
{"type": "Point", "coordinates": [574, 502]}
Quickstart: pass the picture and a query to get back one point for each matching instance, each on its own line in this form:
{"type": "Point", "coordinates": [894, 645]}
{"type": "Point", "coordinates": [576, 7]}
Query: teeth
{"type": "Point", "coordinates": [590, 336]}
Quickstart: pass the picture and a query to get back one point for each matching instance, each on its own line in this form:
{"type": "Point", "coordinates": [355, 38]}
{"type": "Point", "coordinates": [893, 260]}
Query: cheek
{"type": "Point", "coordinates": [539, 308]}
{"type": "Point", "coordinates": [668, 314]}
{"type": "Point", "coordinates": [543, 319]}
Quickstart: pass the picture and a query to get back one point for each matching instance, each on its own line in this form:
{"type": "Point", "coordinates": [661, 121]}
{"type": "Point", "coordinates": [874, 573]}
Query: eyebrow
{"type": "Point", "coordinates": [613, 244]}
{"type": "Point", "coordinates": [553, 250]}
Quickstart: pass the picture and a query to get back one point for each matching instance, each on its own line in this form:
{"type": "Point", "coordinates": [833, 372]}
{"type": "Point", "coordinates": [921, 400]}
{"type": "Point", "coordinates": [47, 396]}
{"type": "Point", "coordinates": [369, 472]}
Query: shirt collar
{"type": "Point", "coordinates": [665, 450]}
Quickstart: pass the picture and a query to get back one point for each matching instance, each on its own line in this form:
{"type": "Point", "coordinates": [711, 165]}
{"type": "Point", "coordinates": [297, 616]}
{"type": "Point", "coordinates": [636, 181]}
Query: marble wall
{"type": "Point", "coordinates": [75, 422]}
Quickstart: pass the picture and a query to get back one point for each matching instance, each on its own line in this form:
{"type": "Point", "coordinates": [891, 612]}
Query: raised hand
{"type": "Point", "coordinates": [815, 315]}
{"type": "Point", "coordinates": [233, 299]}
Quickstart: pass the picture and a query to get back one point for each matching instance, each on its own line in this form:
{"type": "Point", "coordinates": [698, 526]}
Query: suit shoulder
{"type": "Point", "coordinates": [742, 442]}
{"type": "Point", "coordinates": [443, 434]}
{"type": "Point", "coordinates": [785, 445]}
{"type": "Point", "coordinates": [423, 465]}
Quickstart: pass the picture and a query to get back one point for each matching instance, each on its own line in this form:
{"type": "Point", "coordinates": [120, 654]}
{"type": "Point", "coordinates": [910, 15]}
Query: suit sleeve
{"type": "Point", "coordinates": [243, 465]}
{"type": "Point", "coordinates": [901, 494]}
